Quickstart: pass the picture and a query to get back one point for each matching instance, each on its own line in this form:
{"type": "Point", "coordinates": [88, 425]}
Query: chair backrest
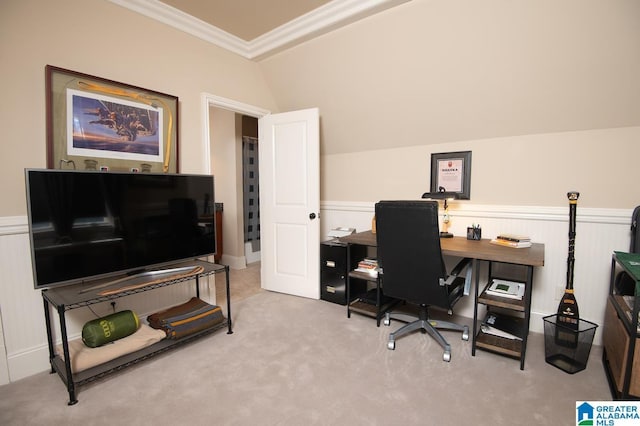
{"type": "Point", "coordinates": [409, 251]}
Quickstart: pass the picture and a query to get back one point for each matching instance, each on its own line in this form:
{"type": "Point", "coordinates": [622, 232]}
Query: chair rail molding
{"type": "Point", "coordinates": [600, 232]}
{"type": "Point", "coordinates": [10, 225]}
{"type": "Point", "coordinates": [585, 214]}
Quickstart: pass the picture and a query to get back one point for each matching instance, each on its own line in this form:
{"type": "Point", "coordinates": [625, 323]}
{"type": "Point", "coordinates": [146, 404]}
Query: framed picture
{"type": "Point", "coordinates": [99, 124]}
{"type": "Point", "coordinates": [452, 171]}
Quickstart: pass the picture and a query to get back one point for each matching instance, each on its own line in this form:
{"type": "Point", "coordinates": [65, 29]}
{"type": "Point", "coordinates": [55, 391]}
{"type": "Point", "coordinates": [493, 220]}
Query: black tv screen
{"type": "Point", "coordinates": [85, 225]}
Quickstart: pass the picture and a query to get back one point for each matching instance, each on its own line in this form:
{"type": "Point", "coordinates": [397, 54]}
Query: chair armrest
{"type": "Point", "coordinates": [464, 263]}
{"type": "Point", "coordinates": [462, 266]}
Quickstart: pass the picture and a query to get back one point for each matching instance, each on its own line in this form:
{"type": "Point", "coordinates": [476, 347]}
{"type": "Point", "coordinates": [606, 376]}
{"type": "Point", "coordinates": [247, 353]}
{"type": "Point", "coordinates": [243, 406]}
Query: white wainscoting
{"type": "Point", "coordinates": [23, 343]}
{"type": "Point", "coordinates": [4, 367]}
{"type": "Point", "coordinates": [23, 348]}
{"type": "Point", "coordinates": [598, 233]}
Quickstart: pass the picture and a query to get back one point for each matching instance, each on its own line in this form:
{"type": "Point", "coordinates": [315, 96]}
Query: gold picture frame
{"type": "Point", "coordinates": [99, 124]}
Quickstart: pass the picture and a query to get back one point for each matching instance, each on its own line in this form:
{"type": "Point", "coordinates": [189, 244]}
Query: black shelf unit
{"type": "Point", "coordinates": [517, 310]}
{"type": "Point", "coordinates": [371, 302]}
{"type": "Point", "coordinates": [365, 291]}
{"type": "Point", "coordinates": [64, 299]}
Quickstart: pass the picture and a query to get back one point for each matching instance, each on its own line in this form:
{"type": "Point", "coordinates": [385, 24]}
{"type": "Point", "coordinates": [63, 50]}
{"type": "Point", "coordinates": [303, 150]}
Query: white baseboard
{"type": "Point", "coordinates": [4, 366]}
{"type": "Point", "coordinates": [234, 262]}
{"type": "Point", "coordinates": [252, 256]}
{"type": "Point", "coordinates": [28, 363]}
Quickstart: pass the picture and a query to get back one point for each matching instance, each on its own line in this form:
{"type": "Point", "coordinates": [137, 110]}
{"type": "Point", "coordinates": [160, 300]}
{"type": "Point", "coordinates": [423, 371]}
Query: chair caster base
{"type": "Point", "coordinates": [465, 333]}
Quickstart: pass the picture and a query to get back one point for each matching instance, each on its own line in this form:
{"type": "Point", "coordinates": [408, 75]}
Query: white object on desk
{"type": "Point", "coordinates": [503, 288]}
{"type": "Point", "coordinates": [341, 232]}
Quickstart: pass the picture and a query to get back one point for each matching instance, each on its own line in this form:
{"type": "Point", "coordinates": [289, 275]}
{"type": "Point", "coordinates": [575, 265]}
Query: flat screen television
{"type": "Point", "coordinates": [85, 225]}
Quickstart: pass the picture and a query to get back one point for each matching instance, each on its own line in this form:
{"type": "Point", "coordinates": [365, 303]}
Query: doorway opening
{"type": "Point", "coordinates": [222, 155]}
{"type": "Point", "coordinates": [251, 189]}
{"type": "Point", "coordinates": [251, 197]}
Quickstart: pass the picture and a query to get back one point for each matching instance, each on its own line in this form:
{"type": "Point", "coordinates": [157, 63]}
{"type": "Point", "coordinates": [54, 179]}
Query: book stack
{"type": "Point", "coordinates": [512, 240]}
{"type": "Point", "coordinates": [501, 326]}
{"type": "Point", "coordinates": [504, 288]}
{"type": "Point", "coordinates": [368, 265]}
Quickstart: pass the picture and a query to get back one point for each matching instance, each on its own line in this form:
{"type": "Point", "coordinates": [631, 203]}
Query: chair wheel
{"type": "Point", "coordinates": [391, 345]}
{"type": "Point", "coordinates": [465, 334]}
{"type": "Point", "coordinates": [387, 321]}
{"type": "Point", "coordinates": [446, 357]}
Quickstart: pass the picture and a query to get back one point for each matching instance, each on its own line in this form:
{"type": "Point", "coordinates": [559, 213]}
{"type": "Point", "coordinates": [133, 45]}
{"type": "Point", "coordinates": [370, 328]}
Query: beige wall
{"type": "Point", "coordinates": [544, 93]}
{"type": "Point", "coordinates": [433, 75]}
{"type": "Point", "coordinates": [531, 170]}
{"type": "Point", "coordinates": [225, 168]}
{"type": "Point", "coordinates": [102, 39]}
{"type": "Point", "coordinates": [226, 153]}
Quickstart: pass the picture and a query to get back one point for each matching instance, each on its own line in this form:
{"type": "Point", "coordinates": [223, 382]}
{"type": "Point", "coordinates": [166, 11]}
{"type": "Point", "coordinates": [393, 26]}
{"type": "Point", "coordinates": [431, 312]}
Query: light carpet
{"type": "Point", "coordinates": [296, 361]}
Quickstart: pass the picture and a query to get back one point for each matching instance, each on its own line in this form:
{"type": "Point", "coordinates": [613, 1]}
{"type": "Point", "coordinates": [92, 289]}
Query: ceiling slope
{"type": "Point", "coordinates": [326, 18]}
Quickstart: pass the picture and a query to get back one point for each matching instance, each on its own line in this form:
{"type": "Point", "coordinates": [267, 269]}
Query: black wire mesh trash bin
{"type": "Point", "coordinates": [566, 347]}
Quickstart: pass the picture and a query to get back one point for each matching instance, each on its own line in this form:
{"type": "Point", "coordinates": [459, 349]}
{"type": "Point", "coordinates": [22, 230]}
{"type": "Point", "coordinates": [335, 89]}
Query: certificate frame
{"type": "Point", "coordinates": [452, 171]}
{"type": "Point", "coordinates": [98, 124]}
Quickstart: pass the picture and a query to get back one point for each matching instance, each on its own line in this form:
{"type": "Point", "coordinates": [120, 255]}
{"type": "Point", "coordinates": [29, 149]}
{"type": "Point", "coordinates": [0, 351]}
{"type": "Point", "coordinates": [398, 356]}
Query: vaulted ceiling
{"type": "Point", "coordinates": [430, 71]}
{"type": "Point", "coordinates": [257, 28]}
{"type": "Point", "coordinates": [246, 19]}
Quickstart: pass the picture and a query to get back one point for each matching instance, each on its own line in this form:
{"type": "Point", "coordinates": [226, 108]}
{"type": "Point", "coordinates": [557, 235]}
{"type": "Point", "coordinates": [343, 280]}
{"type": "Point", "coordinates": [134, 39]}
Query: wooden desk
{"type": "Point", "coordinates": [483, 250]}
{"type": "Point", "coordinates": [475, 249]}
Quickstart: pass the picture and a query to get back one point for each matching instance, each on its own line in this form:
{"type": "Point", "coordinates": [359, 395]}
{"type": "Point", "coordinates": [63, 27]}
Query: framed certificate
{"type": "Point", "coordinates": [452, 171]}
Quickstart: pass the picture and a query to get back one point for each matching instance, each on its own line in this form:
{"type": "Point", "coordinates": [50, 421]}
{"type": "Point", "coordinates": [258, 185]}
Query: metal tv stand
{"type": "Point", "coordinates": [140, 277]}
{"type": "Point", "coordinates": [64, 299]}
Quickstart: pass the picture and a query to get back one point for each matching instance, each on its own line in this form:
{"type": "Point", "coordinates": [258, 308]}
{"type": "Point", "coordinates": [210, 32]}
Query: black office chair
{"type": "Point", "coordinates": [413, 270]}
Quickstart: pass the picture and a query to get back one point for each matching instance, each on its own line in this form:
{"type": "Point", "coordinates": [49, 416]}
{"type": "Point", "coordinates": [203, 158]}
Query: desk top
{"type": "Point", "coordinates": [476, 249]}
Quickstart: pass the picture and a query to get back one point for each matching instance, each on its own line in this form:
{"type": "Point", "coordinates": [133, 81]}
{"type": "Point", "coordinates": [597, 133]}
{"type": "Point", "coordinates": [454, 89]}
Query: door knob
{"type": "Point", "coordinates": [312, 216]}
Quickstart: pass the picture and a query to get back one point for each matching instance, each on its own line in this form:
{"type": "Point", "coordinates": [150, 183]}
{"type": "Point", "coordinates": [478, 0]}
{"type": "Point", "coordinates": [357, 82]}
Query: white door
{"type": "Point", "coordinates": [289, 159]}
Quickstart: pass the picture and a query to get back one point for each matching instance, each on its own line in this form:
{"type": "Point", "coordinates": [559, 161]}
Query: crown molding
{"type": "Point", "coordinates": [12, 225]}
{"type": "Point", "coordinates": [175, 18]}
{"type": "Point", "coordinates": [322, 20]}
{"type": "Point", "coordinates": [326, 18]}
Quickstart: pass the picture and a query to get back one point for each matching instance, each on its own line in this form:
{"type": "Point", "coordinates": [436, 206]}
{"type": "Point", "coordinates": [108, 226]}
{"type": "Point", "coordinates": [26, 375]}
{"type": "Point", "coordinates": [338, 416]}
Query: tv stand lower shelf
{"type": "Point", "coordinates": [73, 297]}
{"type": "Point", "coordinates": [91, 374]}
